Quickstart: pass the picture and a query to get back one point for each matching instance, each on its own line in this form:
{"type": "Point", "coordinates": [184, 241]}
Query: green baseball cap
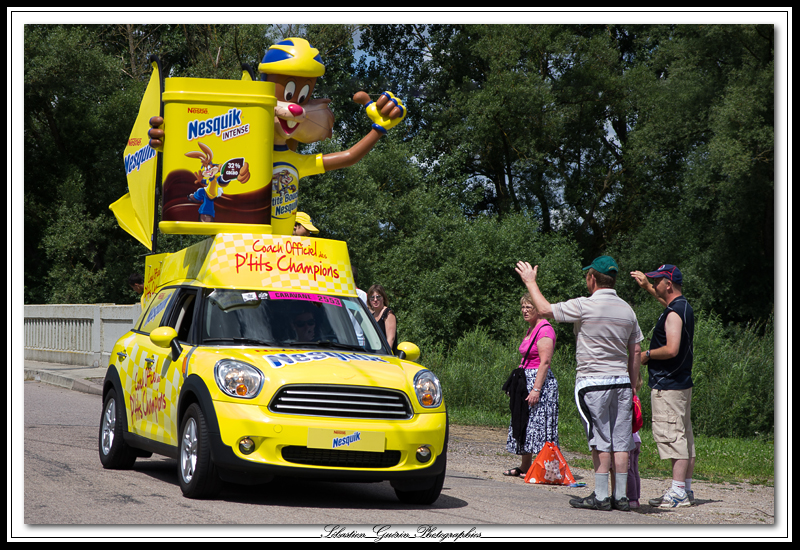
{"type": "Point", "coordinates": [605, 265]}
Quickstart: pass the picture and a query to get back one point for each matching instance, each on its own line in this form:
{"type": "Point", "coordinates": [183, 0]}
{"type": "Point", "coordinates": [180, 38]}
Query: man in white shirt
{"type": "Point", "coordinates": [608, 357]}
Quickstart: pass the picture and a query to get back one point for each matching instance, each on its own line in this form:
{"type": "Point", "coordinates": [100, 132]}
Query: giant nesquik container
{"type": "Point", "coordinates": [217, 156]}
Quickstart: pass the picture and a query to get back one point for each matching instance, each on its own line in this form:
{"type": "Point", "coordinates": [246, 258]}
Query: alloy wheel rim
{"type": "Point", "coordinates": [109, 422]}
{"type": "Point", "coordinates": [189, 450]}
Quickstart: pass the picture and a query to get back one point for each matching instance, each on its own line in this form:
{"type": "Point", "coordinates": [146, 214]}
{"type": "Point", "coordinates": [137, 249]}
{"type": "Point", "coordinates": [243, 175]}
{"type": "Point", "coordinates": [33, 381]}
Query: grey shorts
{"type": "Point", "coordinates": [605, 406]}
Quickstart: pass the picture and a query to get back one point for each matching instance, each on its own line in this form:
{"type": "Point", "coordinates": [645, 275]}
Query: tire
{"type": "Point", "coordinates": [115, 454]}
{"type": "Point", "coordinates": [425, 496]}
{"type": "Point", "coordinates": [197, 473]}
{"type": "Point", "coordinates": [429, 496]}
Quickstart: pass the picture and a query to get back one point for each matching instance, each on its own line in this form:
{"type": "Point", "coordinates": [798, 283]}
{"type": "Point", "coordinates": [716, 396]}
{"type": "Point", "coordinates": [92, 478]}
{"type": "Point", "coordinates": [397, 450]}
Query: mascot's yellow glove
{"type": "Point", "coordinates": [383, 112]}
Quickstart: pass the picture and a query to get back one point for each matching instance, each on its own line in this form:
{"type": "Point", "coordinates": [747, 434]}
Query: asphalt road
{"type": "Point", "coordinates": [66, 491]}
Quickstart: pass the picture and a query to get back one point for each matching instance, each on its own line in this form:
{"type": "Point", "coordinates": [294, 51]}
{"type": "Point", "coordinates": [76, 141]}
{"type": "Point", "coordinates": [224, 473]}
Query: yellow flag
{"type": "Point", "coordinates": [127, 220]}
{"type": "Point", "coordinates": [135, 212]}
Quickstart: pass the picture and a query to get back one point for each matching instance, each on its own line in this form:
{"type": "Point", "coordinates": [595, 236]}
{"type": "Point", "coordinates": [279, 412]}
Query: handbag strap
{"type": "Point", "coordinates": [533, 341]}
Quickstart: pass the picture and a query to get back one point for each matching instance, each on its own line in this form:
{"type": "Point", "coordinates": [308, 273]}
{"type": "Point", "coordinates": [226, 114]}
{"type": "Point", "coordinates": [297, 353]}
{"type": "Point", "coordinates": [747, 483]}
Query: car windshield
{"type": "Point", "coordinates": [279, 318]}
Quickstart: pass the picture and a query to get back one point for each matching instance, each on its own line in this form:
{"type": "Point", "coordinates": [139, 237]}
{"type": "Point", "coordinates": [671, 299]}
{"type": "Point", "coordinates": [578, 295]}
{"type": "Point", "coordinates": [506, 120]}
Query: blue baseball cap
{"type": "Point", "coordinates": [667, 271]}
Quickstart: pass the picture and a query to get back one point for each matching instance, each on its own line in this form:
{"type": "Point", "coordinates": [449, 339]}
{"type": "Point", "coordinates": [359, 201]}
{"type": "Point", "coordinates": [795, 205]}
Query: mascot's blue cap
{"type": "Point", "coordinates": [292, 57]}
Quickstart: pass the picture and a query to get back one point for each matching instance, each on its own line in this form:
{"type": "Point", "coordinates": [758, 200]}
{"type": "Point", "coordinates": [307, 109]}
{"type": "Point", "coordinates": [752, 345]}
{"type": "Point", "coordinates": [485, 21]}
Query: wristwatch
{"type": "Point", "coordinates": [647, 354]}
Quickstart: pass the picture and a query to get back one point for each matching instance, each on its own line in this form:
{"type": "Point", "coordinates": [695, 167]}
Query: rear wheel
{"type": "Point", "coordinates": [115, 454]}
{"type": "Point", "coordinates": [197, 474]}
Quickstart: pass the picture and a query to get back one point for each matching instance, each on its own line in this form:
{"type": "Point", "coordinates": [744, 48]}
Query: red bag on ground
{"type": "Point", "coordinates": [550, 467]}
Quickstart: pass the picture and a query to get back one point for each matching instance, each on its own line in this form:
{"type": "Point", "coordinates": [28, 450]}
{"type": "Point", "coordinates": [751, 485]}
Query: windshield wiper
{"type": "Point", "coordinates": [241, 340]}
{"type": "Point", "coordinates": [330, 344]}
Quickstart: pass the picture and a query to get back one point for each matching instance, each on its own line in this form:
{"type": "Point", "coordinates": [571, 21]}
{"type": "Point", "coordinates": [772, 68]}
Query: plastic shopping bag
{"type": "Point", "coordinates": [550, 467]}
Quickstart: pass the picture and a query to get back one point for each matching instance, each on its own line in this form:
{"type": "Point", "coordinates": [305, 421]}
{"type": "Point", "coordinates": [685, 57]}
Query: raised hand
{"type": "Point", "coordinates": [156, 133]}
{"type": "Point", "coordinates": [385, 113]}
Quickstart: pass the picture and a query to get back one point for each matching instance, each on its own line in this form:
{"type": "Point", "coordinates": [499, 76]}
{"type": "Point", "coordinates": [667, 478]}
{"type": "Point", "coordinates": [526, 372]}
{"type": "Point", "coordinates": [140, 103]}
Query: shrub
{"type": "Point", "coordinates": [473, 371]}
{"type": "Point", "coordinates": [734, 378]}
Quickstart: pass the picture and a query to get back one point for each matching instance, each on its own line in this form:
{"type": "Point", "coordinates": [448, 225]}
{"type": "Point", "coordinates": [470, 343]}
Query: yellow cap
{"type": "Point", "coordinates": [292, 57]}
{"type": "Point", "coordinates": [305, 220]}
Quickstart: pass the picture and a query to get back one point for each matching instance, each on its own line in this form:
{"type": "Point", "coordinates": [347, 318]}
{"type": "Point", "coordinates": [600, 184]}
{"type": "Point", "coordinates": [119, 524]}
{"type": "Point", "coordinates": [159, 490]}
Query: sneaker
{"type": "Point", "coordinates": [591, 503]}
{"type": "Point", "coordinates": [670, 499]}
{"type": "Point", "coordinates": [622, 504]}
{"type": "Point", "coordinates": [690, 494]}
{"type": "Point", "coordinates": [633, 503]}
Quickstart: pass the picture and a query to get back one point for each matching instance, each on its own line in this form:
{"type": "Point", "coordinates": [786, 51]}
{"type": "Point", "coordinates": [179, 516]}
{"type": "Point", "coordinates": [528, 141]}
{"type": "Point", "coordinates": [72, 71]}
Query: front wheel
{"type": "Point", "coordinates": [115, 454]}
{"type": "Point", "coordinates": [425, 496]}
{"type": "Point", "coordinates": [197, 473]}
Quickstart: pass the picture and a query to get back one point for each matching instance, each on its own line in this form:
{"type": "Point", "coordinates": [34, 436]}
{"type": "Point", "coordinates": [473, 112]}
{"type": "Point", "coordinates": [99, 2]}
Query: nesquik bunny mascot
{"type": "Point", "coordinates": [294, 66]}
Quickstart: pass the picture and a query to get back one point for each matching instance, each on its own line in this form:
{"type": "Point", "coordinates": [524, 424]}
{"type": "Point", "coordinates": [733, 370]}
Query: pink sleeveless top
{"type": "Point", "coordinates": [545, 331]}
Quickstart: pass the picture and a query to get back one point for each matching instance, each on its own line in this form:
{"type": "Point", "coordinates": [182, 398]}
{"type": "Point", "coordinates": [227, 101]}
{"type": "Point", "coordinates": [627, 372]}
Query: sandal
{"type": "Point", "coordinates": [514, 472]}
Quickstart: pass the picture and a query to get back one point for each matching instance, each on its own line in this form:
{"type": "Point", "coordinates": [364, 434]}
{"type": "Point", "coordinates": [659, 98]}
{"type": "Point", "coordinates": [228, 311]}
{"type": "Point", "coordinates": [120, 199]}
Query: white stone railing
{"type": "Point", "coordinates": [76, 334]}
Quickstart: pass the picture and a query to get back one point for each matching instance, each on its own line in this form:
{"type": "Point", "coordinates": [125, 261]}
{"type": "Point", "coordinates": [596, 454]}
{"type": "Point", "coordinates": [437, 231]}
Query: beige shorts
{"type": "Point", "coordinates": [672, 423]}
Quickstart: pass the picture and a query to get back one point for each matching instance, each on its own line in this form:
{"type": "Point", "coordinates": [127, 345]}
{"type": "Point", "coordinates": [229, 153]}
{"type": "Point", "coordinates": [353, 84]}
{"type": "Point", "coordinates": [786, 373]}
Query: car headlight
{"type": "Point", "coordinates": [238, 379]}
{"type": "Point", "coordinates": [429, 391]}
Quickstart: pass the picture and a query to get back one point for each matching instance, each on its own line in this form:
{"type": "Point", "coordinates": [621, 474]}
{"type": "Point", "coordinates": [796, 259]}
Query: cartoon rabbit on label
{"type": "Point", "coordinates": [213, 182]}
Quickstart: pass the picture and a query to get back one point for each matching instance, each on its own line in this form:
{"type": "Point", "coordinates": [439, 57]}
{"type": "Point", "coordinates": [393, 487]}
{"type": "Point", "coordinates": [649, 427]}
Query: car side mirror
{"type": "Point", "coordinates": [167, 337]}
{"type": "Point", "coordinates": [408, 351]}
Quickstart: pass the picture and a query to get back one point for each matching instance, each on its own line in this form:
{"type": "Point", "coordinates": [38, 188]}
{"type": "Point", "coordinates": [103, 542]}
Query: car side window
{"type": "Point", "coordinates": [155, 313]}
{"type": "Point", "coordinates": [182, 316]}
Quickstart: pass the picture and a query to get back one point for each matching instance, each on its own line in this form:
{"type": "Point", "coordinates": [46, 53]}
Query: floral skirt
{"type": "Point", "coordinates": [542, 419]}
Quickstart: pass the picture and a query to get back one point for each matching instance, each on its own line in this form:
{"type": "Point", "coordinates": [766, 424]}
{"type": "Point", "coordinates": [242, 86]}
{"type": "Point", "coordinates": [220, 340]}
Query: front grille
{"type": "Point", "coordinates": [339, 458]}
{"type": "Point", "coordinates": [342, 402]}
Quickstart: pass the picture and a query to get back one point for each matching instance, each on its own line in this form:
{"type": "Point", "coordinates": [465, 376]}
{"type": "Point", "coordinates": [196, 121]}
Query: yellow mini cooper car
{"type": "Point", "coordinates": [254, 358]}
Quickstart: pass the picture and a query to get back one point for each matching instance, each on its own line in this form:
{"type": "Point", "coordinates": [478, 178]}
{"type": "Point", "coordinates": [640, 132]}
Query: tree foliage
{"type": "Point", "coordinates": [549, 143]}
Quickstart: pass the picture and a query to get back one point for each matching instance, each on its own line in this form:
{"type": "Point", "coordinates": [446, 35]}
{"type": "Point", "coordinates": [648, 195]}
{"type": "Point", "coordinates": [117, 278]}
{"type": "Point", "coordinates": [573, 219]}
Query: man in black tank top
{"type": "Point", "coordinates": [669, 365]}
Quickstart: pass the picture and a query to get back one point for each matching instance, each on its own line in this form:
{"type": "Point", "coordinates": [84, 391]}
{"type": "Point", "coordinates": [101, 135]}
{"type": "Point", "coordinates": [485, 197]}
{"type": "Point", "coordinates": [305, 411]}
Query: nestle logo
{"type": "Point", "coordinates": [134, 142]}
{"type": "Point", "coordinates": [199, 110]}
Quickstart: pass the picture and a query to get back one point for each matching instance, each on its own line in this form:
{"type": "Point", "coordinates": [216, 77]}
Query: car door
{"type": "Point", "coordinates": [145, 401]}
{"type": "Point", "coordinates": [171, 371]}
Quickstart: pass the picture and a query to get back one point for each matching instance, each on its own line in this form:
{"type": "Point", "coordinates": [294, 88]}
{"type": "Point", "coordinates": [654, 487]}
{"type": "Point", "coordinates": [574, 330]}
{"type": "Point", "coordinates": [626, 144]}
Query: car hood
{"type": "Point", "coordinates": [317, 366]}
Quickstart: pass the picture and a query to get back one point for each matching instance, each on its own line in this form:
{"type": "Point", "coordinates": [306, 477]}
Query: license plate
{"type": "Point", "coordinates": [346, 440]}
